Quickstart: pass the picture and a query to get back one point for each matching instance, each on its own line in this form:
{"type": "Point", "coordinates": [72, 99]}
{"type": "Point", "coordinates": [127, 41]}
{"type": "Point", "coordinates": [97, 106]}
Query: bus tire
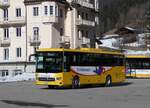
{"type": "Point", "coordinates": [75, 82]}
{"type": "Point", "coordinates": [51, 86]}
{"type": "Point", "coordinates": [108, 82]}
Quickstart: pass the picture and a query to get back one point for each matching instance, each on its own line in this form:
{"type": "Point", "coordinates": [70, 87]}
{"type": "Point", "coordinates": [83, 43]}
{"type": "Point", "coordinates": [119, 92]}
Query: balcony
{"type": "Point", "coordinates": [35, 41]}
{"type": "Point", "coordinates": [65, 41]}
{"type": "Point", "coordinates": [85, 40]}
{"type": "Point", "coordinates": [50, 19]}
{"type": "Point", "coordinates": [85, 22]}
{"type": "Point", "coordinates": [97, 9]}
{"type": "Point", "coordinates": [27, 2]}
{"type": "Point", "coordinates": [5, 42]}
{"type": "Point", "coordinates": [12, 21]}
{"type": "Point", "coordinates": [83, 3]}
{"type": "Point", "coordinates": [4, 3]}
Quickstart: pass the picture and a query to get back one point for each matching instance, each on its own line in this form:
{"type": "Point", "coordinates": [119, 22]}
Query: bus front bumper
{"type": "Point", "coordinates": [55, 83]}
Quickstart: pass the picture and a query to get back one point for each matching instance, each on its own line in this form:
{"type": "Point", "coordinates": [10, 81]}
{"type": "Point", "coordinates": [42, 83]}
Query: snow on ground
{"type": "Point", "coordinates": [22, 77]}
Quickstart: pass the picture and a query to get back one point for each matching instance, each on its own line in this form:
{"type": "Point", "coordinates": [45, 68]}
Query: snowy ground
{"type": "Point", "coordinates": [22, 77]}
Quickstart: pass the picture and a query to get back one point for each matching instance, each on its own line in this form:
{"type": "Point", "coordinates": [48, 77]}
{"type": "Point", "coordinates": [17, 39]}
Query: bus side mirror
{"type": "Point", "coordinates": [32, 55]}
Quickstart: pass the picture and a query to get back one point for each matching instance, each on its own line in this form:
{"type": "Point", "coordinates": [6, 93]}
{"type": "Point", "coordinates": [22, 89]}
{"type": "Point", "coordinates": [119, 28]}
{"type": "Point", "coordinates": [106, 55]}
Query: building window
{"type": "Point", "coordinates": [6, 33]}
{"type": "Point", "coordinates": [78, 14]}
{"type": "Point", "coordinates": [51, 10]}
{"type": "Point", "coordinates": [5, 14]}
{"type": "Point", "coordinates": [56, 10]}
{"type": "Point", "coordinates": [61, 13]}
{"type": "Point", "coordinates": [18, 12]}
{"type": "Point", "coordinates": [87, 34]}
{"type": "Point", "coordinates": [87, 16]}
{"type": "Point", "coordinates": [6, 53]}
{"type": "Point", "coordinates": [61, 31]}
{"type": "Point", "coordinates": [45, 10]}
{"type": "Point", "coordinates": [35, 33]}
{"type": "Point", "coordinates": [82, 15]}
{"type": "Point", "coordinates": [35, 11]}
{"type": "Point", "coordinates": [17, 72]}
{"type": "Point", "coordinates": [79, 34]}
{"type": "Point", "coordinates": [4, 73]}
{"type": "Point", "coordinates": [18, 52]}
{"type": "Point", "coordinates": [18, 31]}
{"type": "Point", "coordinates": [82, 32]}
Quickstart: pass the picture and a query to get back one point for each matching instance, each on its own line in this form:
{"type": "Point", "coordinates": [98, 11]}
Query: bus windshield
{"type": "Point", "coordinates": [50, 62]}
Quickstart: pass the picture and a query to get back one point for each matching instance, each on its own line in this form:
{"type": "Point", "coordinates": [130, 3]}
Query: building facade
{"type": "Point", "coordinates": [26, 25]}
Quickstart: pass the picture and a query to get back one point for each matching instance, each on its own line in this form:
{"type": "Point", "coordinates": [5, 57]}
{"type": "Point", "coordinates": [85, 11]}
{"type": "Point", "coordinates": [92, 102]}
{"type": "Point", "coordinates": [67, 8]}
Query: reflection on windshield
{"type": "Point", "coordinates": [40, 60]}
{"type": "Point", "coordinates": [49, 62]}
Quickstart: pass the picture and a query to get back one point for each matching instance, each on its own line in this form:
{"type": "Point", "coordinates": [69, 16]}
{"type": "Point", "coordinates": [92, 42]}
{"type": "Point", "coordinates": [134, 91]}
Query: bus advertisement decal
{"type": "Point", "coordinates": [89, 70]}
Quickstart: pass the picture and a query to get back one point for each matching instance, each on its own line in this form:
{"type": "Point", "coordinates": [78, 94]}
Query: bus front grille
{"type": "Point", "coordinates": [46, 79]}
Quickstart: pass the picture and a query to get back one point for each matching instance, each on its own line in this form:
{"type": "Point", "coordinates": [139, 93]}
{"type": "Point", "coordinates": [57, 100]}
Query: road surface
{"type": "Point", "coordinates": [134, 93]}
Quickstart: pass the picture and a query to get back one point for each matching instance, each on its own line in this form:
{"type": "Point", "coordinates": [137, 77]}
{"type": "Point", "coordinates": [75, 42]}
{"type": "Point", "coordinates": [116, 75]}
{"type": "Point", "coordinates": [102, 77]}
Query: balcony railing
{"type": "Point", "coordinates": [5, 42]}
{"type": "Point", "coordinates": [65, 39]}
{"type": "Point", "coordinates": [50, 19]}
{"type": "Point", "coordinates": [83, 3]}
{"type": "Point", "coordinates": [85, 22]}
{"type": "Point", "coordinates": [4, 3]}
{"type": "Point", "coordinates": [85, 40]}
{"type": "Point", "coordinates": [12, 21]}
{"type": "Point", "coordinates": [35, 41]}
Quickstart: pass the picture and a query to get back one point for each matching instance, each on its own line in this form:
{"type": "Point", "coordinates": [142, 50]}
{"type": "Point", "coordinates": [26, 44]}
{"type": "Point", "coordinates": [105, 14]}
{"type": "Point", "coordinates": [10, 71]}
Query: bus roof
{"type": "Point", "coordinates": [84, 50]}
{"type": "Point", "coordinates": [137, 56]}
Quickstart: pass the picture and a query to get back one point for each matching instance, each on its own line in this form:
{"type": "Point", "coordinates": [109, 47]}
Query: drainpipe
{"type": "Point", "coordinates": [26, 39]}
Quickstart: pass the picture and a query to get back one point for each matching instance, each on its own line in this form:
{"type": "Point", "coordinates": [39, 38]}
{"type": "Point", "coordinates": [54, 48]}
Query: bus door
{"type": "Point", "coordinates": [130, 71]}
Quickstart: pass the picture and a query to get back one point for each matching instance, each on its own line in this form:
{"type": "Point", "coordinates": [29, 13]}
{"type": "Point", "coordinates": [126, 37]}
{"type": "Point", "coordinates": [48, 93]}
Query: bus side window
{"type": "Point", "coordinates": [68, 61]}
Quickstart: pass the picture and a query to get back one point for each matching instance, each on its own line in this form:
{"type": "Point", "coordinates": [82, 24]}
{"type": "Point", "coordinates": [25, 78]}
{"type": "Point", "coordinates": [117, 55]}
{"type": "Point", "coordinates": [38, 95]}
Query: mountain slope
{"type": "Point", "coordinates": [118, 13]}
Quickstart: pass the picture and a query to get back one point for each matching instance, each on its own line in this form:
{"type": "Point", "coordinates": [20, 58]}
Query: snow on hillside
{"type": "Point", "coordinates": [22, 77]}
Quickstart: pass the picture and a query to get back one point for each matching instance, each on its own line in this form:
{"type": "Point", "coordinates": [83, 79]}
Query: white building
{"type": "Point", "coordinates": [26, 25]}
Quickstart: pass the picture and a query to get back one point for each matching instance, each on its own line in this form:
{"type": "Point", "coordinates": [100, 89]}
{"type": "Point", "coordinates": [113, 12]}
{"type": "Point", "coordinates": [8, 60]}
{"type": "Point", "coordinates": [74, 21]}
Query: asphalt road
{"type": "Point", "coordinates": [134, 93]}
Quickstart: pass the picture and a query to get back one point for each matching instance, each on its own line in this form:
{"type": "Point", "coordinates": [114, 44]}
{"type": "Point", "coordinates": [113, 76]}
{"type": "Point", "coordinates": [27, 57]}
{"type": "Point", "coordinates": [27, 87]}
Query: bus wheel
{"type": "Point", "coordinates": [108, 81]}
{"type": "Point", "coordinates": [51, 86]}
{"type": "Point", "coordinates": [76, 82]}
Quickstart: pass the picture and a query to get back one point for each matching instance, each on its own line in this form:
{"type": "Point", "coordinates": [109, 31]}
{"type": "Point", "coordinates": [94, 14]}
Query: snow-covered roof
{"type": "Point", "coordinates": [129, 28]}
{"type": "Point", "coordinates": [108, 43]}
{"type": "Point", "coordinates": [110, 36]}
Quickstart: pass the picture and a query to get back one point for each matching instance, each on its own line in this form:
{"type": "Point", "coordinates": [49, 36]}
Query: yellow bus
{"type": "Point", "coordinates": [138, 66]}
{"type": "Point", "coordinates": [76, 67]}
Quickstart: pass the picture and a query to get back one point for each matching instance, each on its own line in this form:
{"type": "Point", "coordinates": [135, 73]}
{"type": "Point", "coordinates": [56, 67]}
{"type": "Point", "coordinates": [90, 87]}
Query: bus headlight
{"type": "Point", "coordinates": [58, 78]}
